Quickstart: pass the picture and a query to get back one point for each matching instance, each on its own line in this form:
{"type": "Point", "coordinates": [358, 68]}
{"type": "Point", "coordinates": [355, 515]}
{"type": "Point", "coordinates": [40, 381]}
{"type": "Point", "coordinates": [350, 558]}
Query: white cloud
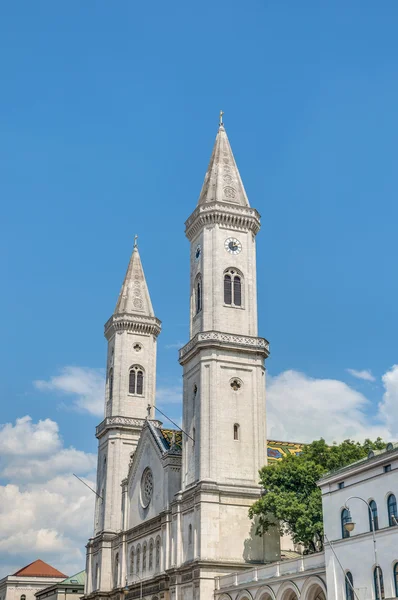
{"type": "Point", "coordinates": [388, 407]}
{"type": "Point", "coordinates": [85, 385]}
{"type": "Point", "coordinates": [44, 510]}
{"type": "Point", "coordinates": [366, 374]}
{"type": "Point", "coordinates": [26, 438]}
{"type": "Point", "coordinates": [301, 408]}
{"type": "Point", "coordinates": [169, 395]}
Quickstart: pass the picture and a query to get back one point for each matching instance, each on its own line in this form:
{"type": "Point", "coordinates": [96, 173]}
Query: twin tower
{"type": "Point", "coordinates": [224, 381]}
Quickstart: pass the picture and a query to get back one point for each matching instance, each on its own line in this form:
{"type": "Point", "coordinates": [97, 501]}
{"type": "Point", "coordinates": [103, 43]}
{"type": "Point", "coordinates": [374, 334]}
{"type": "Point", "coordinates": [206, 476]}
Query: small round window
{"type": "Point", "coordinates": [146, 487]}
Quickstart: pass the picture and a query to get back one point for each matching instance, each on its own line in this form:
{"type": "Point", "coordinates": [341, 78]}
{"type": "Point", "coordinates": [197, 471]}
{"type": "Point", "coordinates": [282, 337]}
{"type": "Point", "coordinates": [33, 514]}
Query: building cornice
{"type": "Point", "coordinates": [222, 213]}
{"type": "Point", "coordinates": [223, 340]}
{"type": "Point", "coordinates": [132, 323]}
{"type": "Point", "coordinates": [126, 423]}
{"type": "Point", "coordinates": [358, 467]}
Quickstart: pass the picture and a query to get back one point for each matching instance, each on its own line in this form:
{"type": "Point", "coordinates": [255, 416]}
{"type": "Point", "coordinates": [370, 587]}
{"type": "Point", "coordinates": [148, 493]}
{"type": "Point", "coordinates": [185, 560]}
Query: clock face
{"type": "Point", "coordinates": [198, 253]}
{"type": "Point", "coordinates": [233, 245]}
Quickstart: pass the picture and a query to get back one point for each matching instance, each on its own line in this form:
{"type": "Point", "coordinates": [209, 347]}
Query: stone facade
{"type": "Point", "coordinates": [172, 511]}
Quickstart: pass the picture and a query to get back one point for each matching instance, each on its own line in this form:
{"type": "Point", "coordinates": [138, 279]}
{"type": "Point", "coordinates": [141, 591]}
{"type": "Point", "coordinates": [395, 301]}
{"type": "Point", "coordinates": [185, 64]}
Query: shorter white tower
{"type": "Point", "coordinates": [130, 387]}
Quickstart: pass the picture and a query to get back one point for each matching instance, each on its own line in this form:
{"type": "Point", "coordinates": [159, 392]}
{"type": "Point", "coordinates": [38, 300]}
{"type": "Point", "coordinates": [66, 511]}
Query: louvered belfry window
{"type": "Point", "coordinates": [233, 288]}
{"type": "Point", "coordinates": [227, 289]}
{"type": "Point", "coordinates": [136, 380]}
{"type": "Point", "coordinates": [237, 291]}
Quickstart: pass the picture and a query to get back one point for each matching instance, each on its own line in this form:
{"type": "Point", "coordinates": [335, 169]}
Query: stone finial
{"type": "Point", "coordinates": [221, 124]}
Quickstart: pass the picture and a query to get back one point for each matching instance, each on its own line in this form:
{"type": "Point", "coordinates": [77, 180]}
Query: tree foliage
{"type": "Point", "coordinates": [291, 497]}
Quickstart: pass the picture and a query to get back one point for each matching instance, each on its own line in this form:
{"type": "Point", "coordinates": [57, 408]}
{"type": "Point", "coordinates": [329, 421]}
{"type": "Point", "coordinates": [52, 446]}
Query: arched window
{"type": "Point", "coordinates": [116, 570]}
{"type": "Point", "coordinates": [344, 519]}
{"type": "Point", "coordinates": [23, 597]}
{"type": "Point", "coordinates": [198, 294]}
{"type": "Point", "coordinates": [237, 291]}
{"type": "Point", "coordinates": [136, 380]}
{"type": "Point", "coordinates": [151, 556]}
{"type": "Point", "coordinates": [349, 585]}
{"type": "Point", "coordinates": [96, 583]}
{"type": "Point", "coordinates": [193, 436]}
{"type": "Point", "coordinates": [157, 557]}
{"type": "Point", "coordinates": [195, 391]}
{"type": "Point", "coordinates": [395, 572]}
{"type": "Point", "coordinates": [110, 383]}
{"type": "Point", "coordinates": [190, 534]}
{"type": "Point", "coordinates": [232, 288]}
{"type": "Point", "coordinates": [144, 558]}
{"type": "Point", "coordinates": [373, 513]}
{"type": "Point", "coordinates": [138, 561]}
{"type": "Point", "coordinates": [132, 556]}
{"type": "Point", "coordinates": [380, 578]}
{"type": "Point", "coordinates": [392, 510]}
{"type": "Point", "coordinates": [236, 431]}
{"type": "Point", "coordinates": [227, 289]}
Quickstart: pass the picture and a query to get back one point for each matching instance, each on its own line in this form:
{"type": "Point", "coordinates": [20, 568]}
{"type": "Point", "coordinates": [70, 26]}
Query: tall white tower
{"type": "Point", "coordinates": [130, 387]}
{"type": "Point", "coordinates": [224, 374]}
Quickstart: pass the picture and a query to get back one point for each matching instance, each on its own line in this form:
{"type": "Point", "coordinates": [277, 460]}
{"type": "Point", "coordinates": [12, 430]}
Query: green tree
{"type": "Point", "coordinates": [291, 497]}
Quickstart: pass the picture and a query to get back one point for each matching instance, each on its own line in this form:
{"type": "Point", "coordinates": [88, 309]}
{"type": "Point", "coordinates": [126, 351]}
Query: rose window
{"type": "Point", "coordinates": [146, 487]}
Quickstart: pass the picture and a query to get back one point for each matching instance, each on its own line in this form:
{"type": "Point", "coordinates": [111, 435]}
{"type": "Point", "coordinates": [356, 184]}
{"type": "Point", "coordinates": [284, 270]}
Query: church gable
{"type": "Point", "coordinates": [149, 484]}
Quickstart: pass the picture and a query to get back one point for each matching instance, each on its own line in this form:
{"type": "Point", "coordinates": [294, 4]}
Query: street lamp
{"type": "Point", "coordinates": [349, 525]}
{"type": "Point", "coordinates": [126, 587]}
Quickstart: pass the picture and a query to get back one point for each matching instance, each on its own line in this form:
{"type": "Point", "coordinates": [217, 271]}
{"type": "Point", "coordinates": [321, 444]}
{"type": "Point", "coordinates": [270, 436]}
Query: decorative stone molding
{"type": "Point", "coordinates": [121, 423]}
{"type": "Point", "coordinates": [218, 338]}
{"type": "Point", "coordinates": [233, 217]}
{"type": "Point", "coordinates": [133, 323]}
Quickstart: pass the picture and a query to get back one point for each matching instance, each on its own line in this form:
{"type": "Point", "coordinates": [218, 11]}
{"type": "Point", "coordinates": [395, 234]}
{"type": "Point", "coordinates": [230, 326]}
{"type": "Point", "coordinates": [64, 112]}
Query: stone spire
{"type": "Point", "coordinates": [134, 296]}
{"type": "Point", "coordinates": [222, 181]}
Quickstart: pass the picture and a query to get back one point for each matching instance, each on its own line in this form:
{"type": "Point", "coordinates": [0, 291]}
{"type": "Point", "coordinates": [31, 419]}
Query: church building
{"type": "Point", "coordinates": [172, 506]}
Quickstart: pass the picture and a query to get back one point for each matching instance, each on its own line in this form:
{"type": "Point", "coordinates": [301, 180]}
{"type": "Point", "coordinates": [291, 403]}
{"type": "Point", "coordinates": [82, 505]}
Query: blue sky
{"type": "Point", "coordinates": [108, 114]}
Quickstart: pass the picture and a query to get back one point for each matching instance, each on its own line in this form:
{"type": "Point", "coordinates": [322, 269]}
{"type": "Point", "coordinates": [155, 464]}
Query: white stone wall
{"type": "Point", "coordinates": [368, 481]}
{"type": "Point", "coordinates": [214, 260]}
{"type": "Point", "coordinates": [216, 455]}
{"type": "Point", "coordinates": [121, 357]}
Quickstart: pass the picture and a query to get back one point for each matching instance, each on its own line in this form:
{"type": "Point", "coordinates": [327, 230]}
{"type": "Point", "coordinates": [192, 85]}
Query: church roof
{"type": "Point", "coordinates": [134, 296]}
{"type": "Point", "coordinates": [39, 568]}
{"type": "Point", "coordinates": [172, 438]}
{"type": "Point", "coordinates": [276, 450]}
{"type": "Point", "coordinates": [222, 181]}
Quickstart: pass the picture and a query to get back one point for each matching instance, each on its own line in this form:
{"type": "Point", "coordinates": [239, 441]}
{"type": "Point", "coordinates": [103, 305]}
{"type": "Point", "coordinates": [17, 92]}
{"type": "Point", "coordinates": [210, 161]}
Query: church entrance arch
{"type": "Point", "coordinates": [313, 589]}
{"type": "Point", "coordinates": [288, 591]}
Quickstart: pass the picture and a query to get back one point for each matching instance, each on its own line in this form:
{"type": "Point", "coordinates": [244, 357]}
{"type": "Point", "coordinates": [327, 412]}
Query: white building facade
{"type": "Point", "coordinates": [346, 570]}
{"type": "Point", "coordinates": [373, 481]}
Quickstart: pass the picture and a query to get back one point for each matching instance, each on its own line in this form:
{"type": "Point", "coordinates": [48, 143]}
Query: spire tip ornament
{"type": "Point", "coordinates": [136, 241]}
{"type": "Point", "coordinates": [221, 123]}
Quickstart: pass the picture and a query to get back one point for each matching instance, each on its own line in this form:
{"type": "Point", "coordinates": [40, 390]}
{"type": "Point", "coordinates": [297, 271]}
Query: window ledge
{"type": "Point", "coordinates": [234, 306]}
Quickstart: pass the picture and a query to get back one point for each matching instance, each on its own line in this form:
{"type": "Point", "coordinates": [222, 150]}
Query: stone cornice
{"type": "Point", "coordinates": [222, 213]}
{"type": "Point", "coordinates": [133, 323]}
{"type": "Point", "coordinates": [225, 340]}
{"type": "Point", "coordinates": [117, 422]}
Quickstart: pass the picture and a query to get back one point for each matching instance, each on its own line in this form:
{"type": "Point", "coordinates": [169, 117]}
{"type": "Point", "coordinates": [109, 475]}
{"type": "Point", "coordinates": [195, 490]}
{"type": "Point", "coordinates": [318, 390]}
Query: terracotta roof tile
{"type": "Point", "coordinates": [39, 568]}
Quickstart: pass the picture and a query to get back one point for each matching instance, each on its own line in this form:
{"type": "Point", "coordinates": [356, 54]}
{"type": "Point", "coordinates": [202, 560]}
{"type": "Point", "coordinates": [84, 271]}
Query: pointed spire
{"type": "Point", "coordinates": [222, 181]}
{"type": "Point", "coordinates": [134, 296]}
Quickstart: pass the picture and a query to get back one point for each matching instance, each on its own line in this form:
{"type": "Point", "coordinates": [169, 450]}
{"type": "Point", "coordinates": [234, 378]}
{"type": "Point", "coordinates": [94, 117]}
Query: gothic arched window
{"type": "Point", "coordinates": [345, 517]}
{"type": "Point", "coordinates": [110, 383]}
{"type": "Point", "coordinates": [136, 380]}
{"type": "Point", "coordinates": [349, 585]}
{"type": "Point", "coordinates": [378, 579]}
{"type": "Point", "coordinates": [138, 561]}
{"type": "Point", "coordinates": [116, 570]}
{"type": "Point", "coordinates": [190, 534]}
{"type": "Point", "coordinates": [392, 510]}
{"type": "Point", "coordinates": [236, 431]}
{"type": "Point", "coordinates": [373, 513]}
{"type": "Point", "coordinates": [151, 555]}
{"type": "Point", "coordinates": [233, 287]}
{"type": "Point", "coordinates": [157, 555]}
{"type": "Point", "coordinates": [132, 557]}
{"type": "Point", "coordinates": [396, 579]}
{"type": "Point", "coordinates": [144, 558]}
{"type": "Point", "coordinates": [198, 294]}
